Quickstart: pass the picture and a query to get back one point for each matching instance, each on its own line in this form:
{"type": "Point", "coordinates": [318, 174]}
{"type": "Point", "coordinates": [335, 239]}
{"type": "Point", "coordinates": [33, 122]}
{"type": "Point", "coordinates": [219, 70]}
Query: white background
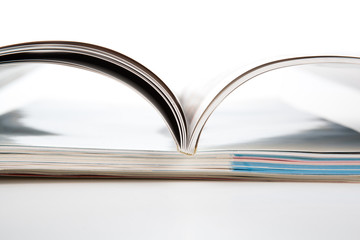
{"type": "Point", "coordinates": [183, 42]}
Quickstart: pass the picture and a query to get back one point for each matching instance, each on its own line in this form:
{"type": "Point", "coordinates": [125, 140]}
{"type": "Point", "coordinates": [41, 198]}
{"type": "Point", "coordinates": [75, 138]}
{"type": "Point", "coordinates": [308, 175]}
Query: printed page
{"type": "Point", "coordinates": [57, 106]}
{"type": "Point", "coordinates": [289, 109]}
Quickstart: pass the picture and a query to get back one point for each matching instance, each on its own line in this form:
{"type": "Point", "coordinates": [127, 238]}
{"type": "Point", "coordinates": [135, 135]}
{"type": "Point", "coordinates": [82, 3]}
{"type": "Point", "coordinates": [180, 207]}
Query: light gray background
{"type": "Point", "coordinates": [123, 209]}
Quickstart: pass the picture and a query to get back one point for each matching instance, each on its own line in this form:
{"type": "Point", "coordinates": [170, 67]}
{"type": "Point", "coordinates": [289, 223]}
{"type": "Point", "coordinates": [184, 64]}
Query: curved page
{"type": "Point", "coordinates": [201, 113]}
{"type": "Point", "coordinates": [107, 62]}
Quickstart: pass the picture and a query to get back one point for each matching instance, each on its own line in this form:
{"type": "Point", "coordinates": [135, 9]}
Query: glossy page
{"type": "Point", "coordinates": [58, 106]}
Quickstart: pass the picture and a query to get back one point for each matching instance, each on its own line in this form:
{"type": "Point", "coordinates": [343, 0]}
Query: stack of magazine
{"type": "Point", "coordinates": [72, 109]}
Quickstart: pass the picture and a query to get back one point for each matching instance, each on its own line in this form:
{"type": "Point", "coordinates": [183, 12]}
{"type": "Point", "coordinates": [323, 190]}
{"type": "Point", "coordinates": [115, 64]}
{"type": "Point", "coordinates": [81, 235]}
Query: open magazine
{"type": "Point", "coordinates": [296, 119]}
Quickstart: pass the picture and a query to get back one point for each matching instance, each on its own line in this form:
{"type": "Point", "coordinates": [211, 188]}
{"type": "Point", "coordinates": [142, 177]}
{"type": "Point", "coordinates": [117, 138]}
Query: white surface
{"type": "Point", "coordinates": [183, 42]}
{"type": "Point", "coordinates": [123, 209]}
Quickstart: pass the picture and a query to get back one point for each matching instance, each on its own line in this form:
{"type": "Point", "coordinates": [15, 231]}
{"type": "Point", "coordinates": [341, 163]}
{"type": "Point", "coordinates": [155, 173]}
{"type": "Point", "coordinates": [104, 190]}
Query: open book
{"type": "Point", "coordinates": [303, 129]}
